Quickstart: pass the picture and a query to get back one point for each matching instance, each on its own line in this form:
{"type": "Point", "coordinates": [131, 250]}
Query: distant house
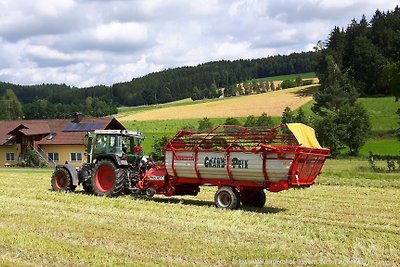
{"type": "Point", "coordinates": [55, 141]}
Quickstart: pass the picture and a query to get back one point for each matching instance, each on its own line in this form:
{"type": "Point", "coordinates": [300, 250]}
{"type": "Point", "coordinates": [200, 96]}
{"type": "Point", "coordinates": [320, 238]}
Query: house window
{"type": "Point", "coordinates": [10, 156]}
{"type": "Point", "coordinates": [53, 156]}
{"type": "Point", "coordinates": [76, 156]}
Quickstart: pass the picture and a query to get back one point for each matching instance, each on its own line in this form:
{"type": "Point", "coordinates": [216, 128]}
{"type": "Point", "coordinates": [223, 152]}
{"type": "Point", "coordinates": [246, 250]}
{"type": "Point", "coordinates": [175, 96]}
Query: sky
{"type": "Point", "coordinates": [90, 42]}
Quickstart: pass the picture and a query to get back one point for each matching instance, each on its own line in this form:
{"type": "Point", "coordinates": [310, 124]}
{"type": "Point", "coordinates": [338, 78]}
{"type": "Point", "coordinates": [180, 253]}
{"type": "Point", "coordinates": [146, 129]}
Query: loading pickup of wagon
{"type": "Point", "coordinates": [241, 161]}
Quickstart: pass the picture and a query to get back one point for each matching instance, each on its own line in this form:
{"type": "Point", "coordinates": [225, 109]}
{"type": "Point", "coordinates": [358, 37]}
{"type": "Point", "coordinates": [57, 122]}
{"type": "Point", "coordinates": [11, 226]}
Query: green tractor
{"type": "Point", "coordinates": [113, 164]}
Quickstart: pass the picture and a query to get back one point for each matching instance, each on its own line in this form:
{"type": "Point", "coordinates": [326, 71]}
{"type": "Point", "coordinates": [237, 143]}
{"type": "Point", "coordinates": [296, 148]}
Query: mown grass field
{"type": "Point", "coordinates": [272, 103]}
{"type": "Point", "coordinates": [124, 111]}
{"type": "Point", "coordinates": [352, 218]}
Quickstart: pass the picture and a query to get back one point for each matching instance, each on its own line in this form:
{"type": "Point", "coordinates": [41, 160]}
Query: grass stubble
{"type": "Point", "coordinates": [339, 222]}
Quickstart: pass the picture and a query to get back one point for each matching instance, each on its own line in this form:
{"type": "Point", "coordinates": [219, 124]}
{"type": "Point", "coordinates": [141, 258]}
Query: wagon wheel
{"type": "Point", "coordinates": [227, 198]}
{"type": "Point", "coordinates": [255, 198]}
{"type": "Point", "coordinates": [107, 180]}
{"type": "Point", "coordinates": [61, 181]}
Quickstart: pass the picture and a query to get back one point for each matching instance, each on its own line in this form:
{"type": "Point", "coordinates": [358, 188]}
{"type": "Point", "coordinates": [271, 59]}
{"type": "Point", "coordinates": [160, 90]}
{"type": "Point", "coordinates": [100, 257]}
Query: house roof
{"type": "Point", "coordinates": [57, 131]}
{"type": "Point", "coordinates": [34, 128]}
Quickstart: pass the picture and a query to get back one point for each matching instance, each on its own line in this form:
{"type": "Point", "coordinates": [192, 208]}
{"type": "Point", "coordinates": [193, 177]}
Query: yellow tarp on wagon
{"type": "Point", "coordinates": [304, 134]}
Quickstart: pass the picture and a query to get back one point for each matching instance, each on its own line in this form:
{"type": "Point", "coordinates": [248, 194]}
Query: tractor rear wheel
{"type": "Point", "coordinates": [254, 199]}
{"type": "Point", "coordinates": [61, 181]}
{"type": "Point", "coordinates": [227, 198]}
{"type": "Point", "coordinates": [107, 180]}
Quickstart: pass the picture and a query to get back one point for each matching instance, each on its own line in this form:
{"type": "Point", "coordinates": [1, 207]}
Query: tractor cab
{"type": "Point", "coordinates": [122, 145]}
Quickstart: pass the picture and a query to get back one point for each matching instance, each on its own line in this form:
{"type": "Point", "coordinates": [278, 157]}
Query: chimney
{"type": "Point", "coordinates": [77, 117]}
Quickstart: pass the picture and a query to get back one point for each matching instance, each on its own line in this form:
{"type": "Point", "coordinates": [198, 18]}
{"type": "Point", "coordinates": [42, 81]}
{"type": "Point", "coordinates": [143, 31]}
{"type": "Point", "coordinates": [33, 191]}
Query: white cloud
{"type": "Point", "coordinates": [121, 32]}
{"type": "Point", "coordinates": [89, 42]}
{"type": "Point", "coordinates": [45, 7]}
{"type": "Point", "coordinates": [48, 53]}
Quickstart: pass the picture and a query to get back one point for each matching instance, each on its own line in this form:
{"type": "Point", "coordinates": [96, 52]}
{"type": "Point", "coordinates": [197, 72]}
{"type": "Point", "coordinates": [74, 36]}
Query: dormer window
{"type": "Point", "coordinates": [51, 136]}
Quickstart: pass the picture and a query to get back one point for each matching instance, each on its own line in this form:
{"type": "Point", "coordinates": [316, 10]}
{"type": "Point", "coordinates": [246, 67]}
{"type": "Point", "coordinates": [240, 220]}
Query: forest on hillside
{"type": "Point", "coordinates": [367, 52]}
{"type": "Point", "coordinates": [174, 84]}
{"type": "Point", "coordinates": [59, 101]}
{"type": "Point", "coordinates": [361, 60]}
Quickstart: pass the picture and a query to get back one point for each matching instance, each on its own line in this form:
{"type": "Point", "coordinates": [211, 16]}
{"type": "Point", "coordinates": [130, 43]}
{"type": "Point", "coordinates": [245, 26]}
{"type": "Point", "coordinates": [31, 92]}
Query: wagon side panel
{"type": "Point", "coordinates": [278, 166]}
{"type": "Point", "coordinates": [245, 166]}
{"type": "Point", "coordinates": [212, 165]}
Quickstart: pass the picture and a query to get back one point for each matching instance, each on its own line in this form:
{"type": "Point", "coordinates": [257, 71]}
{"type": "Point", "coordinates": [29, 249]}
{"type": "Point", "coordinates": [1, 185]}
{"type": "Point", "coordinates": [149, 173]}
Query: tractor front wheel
{"type": "Point", "coordinates": [107, 180]}
{"type": "Point", "coordinates": [227, 198]}
{"type": "Point", "coordinates": [61, 181]}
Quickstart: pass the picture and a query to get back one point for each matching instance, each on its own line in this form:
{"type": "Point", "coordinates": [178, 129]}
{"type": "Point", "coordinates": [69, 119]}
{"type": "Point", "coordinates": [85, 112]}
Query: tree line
{"type": "Point", "coordinates": [55, 101]}
{"type": "Point", "coordinates": [367, 53]}
{"type": "Point", "coordinates": [206, 80]}
{"type": "Point", "coordinates": [197, 82]}
{"type": "Point", "coordinates": [258, 87]}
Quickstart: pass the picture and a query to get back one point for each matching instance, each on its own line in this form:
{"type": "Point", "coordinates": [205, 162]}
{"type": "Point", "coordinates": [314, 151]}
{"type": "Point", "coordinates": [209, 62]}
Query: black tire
{"type": "Point", "coordinates": [227, 198]}
{"type": "Point", "coordinates": [87, 180]}
{"type": "Point", "coordinates": [254, 199]}
{"type": "Point", "coordinates": [87, 186]}
{"type": "Point", "coordinates": [61, 181]}
{"type": "Point", "coordinates": [107, 180]}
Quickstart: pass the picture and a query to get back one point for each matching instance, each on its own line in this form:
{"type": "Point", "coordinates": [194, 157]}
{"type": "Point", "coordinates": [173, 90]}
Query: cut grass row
{"type": "Point", "coordinates": [325, 224]}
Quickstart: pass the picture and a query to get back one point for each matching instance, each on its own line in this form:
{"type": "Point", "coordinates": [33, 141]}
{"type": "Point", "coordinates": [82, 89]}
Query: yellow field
{"type": "Point", "coordinates": [273, 103]}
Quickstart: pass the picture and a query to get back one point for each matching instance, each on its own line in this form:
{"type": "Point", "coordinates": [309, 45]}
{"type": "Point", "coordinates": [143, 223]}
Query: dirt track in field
{"type": "Point", "coordinates": [273, 103]}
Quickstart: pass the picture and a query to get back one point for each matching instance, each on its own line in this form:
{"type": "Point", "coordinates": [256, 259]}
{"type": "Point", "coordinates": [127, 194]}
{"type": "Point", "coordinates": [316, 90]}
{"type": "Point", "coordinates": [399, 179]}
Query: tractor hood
{"type": "Point", "coordinates": [304, 134]}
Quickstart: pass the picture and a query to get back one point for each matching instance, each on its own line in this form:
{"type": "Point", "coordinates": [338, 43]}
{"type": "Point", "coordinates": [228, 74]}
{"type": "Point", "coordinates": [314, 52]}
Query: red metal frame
{"type": "Point", "coordinates": [305, 167]}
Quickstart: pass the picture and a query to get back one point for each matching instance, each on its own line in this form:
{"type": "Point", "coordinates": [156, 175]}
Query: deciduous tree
{"type": "Point", "coordinates": [205, 125]}
{"type": "Point", "coordinates": [287, 115]}
{"type": "Point", "coordinates": [10, 106]}
{"type": "Point", "coordinates": [392, 78]}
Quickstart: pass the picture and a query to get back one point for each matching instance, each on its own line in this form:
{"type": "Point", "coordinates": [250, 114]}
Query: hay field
{"type": "Point", "coordinates": [351, 219]}
{"type": "Point", "coordinates": [273, 103]}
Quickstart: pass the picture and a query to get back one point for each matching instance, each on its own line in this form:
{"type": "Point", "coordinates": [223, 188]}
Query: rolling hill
{"type": "Point", "coordinates": [272, 103]}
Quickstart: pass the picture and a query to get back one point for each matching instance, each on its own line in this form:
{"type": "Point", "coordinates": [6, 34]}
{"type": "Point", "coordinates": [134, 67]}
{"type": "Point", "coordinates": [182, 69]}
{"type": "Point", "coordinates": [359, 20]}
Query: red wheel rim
{"type": "Point", "coordinates": [61, 181]}
{"type": "Point", "coordinates": [105, 178]}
